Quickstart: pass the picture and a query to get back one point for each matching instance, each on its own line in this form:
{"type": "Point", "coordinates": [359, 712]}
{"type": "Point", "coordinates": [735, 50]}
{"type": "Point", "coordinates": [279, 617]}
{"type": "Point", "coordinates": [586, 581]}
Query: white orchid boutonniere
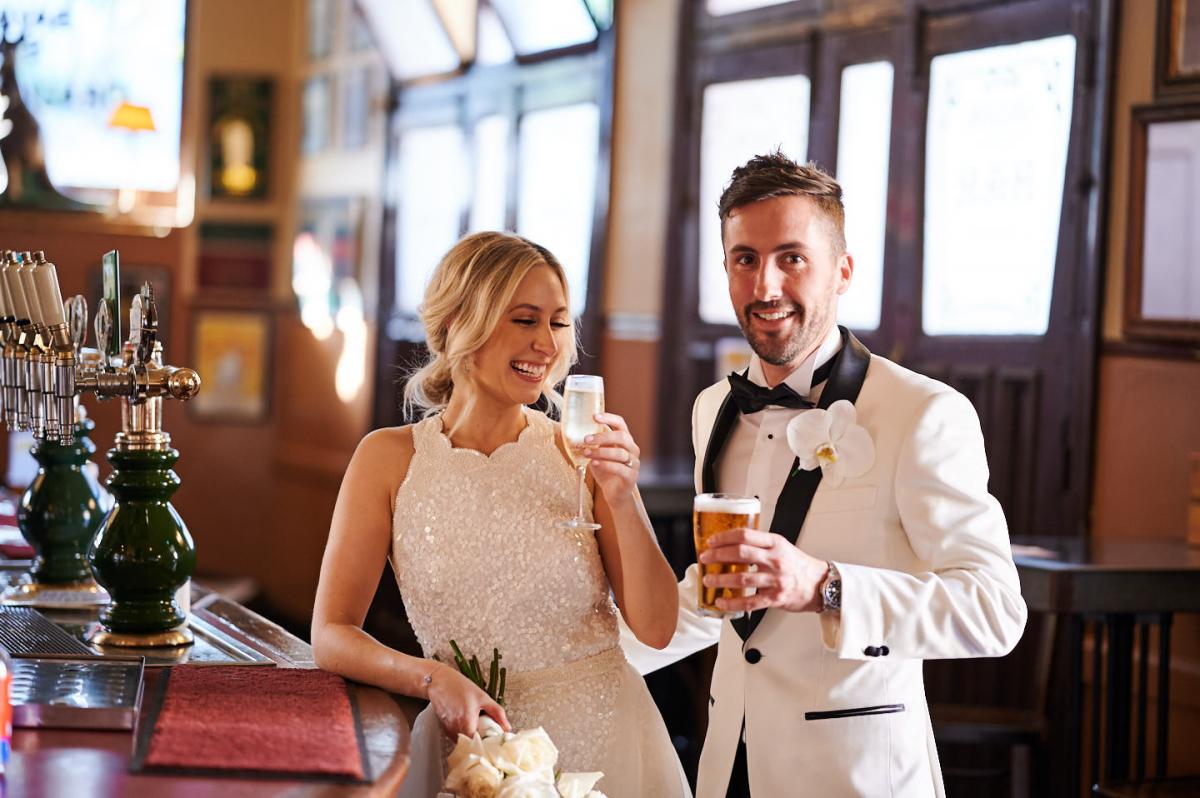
{"type": "Point", "coordinates": [833, 440]}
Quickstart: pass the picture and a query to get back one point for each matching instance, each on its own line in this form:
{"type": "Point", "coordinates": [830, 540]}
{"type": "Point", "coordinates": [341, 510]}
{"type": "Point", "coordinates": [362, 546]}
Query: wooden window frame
{"type": "Point", "coordinates": [555, 78]}
{"type": "Point", "coordinates": [908, 33]}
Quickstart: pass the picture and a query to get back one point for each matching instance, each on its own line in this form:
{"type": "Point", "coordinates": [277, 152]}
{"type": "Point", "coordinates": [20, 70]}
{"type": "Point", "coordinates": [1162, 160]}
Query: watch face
{"type": "Point", "coordinates": [833, 594]}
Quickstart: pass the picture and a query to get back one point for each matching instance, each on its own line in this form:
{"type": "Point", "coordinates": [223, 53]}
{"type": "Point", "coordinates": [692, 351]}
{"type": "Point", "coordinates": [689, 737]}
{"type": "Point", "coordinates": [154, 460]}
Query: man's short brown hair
{"type": "Point", "coordinates": [776, 175]}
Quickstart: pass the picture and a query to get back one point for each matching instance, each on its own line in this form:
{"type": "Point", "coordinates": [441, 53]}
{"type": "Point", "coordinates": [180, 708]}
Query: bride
{"type": "Point", "coordinates": [464, 504]}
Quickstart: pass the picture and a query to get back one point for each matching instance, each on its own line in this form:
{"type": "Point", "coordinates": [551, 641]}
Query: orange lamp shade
{"type": "Point", "coordinates": [131, 117]}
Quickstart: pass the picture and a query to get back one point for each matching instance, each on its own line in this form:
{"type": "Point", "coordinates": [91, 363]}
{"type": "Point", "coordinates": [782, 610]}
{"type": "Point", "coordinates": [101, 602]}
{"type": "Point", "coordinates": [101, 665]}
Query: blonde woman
{"type": "Point", "coordinates": [464, 504]}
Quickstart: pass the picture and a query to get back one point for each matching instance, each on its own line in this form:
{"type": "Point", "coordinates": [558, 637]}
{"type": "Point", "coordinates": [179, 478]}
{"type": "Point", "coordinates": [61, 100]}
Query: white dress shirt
{"type": "Point", "coordinates": [756, 460]}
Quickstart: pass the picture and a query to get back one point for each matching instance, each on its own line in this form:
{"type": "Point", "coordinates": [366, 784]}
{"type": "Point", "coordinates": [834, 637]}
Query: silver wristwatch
{"type": "Point", "coordinates": [831, 590]}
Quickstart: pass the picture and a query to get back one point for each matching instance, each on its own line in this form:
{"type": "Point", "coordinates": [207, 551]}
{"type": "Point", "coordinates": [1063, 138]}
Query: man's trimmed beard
{"type": "Point", "coordinates": [783, 351]}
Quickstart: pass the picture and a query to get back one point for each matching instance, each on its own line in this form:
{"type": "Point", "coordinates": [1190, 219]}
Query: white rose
{"type": "Point", "coordinates": [529, 785]}
{"type": "Point", "coordinates": [474, 778]}
{"type": "Point", "coordinates": [595, 794]}
{"type": "Point", "coordinates": [577, 785]}
{"type": "Point", "coordinates": [465, 747]}
{"type": "Point", "coordinates": [526, 751]}
{"type": "Point", "coordinates": [488, 727]}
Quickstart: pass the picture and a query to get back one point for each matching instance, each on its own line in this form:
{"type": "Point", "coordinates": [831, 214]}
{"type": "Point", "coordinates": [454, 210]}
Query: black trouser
{"type": "Point", "coordinates": [739, 778]}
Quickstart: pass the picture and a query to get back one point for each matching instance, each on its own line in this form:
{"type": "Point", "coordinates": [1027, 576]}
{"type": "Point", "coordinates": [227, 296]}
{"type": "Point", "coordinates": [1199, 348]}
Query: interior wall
{"type": "Point", "coordinates": [225, 469]}
{"type": "Point", "coordinates": [1147, 426]}
{"type": "Point", "coordinates": [635, 261]}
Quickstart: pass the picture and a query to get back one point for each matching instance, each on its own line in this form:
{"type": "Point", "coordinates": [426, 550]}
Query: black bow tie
{"type": "Point", "coordinates": [751, 398]}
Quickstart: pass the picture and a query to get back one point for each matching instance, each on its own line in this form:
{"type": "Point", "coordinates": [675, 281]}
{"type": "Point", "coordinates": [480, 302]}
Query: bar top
{"type": "Point", "coordinates": [94, 764]}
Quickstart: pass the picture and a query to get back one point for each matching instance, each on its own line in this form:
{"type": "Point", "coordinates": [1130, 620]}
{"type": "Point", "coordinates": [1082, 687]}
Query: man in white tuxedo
{"type": "Point", "coordinates": [879, 545]}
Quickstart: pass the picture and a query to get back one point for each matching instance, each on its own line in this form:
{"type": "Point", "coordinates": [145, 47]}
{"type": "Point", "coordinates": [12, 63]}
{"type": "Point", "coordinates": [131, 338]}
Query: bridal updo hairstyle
{"type": "Point", "coordinates": [467, 295]}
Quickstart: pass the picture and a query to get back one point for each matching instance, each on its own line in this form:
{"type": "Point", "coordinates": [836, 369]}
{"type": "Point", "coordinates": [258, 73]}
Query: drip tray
{"type": "Point", "coordinates": [212, 646]}
{"type": "Point", "coordinates": [75, 693]}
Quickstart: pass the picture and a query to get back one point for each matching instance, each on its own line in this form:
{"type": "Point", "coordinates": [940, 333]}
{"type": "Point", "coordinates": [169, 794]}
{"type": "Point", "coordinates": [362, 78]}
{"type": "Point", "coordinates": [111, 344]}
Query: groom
{"type": "Point", "coordinates": [878, 545]}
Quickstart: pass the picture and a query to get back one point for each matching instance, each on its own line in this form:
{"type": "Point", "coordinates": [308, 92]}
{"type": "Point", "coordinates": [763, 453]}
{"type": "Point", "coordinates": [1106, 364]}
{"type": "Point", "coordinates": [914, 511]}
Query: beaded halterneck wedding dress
{"type": "Point", "coordinates": [479, 560]}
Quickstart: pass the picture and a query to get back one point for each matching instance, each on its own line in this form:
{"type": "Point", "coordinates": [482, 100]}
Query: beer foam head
{"type": "Point", "coordinates": [726, 503]}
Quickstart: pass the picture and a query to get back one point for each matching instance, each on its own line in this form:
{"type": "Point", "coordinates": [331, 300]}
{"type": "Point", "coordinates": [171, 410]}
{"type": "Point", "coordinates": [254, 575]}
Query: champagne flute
{"type": "Point", "coordinates": [583, 398]}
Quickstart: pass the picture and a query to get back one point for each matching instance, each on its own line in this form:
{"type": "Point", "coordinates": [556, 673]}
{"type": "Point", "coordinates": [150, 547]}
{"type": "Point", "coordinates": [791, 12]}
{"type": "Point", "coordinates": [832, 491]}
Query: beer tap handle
{"type": "Point", "coordinates": [76, 311]}
{"type": "Point", "coordinates": [45, 278]}
{"type": "Point", "coordinates": [16, 291]}
{"type": "Point", "coordinates": [6, 308]}
{"type": "Point", "coordinates": [103, 324]}
{"type": "Point", "coordinates": [135, 323]}
{"type": "Point", "coordinates": [143, 323]}
{"type": "Point", "coordinates": [33, 306]}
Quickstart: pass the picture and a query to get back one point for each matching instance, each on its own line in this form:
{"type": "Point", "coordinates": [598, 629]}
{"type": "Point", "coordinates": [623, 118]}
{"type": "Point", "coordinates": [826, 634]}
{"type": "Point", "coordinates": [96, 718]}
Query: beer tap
{"type": "Point", "coordinates": [7, 331]}
{"type": "Point", "coordinates": [16, 348]}
{"type": "Point", "coordinates": [58, 388]}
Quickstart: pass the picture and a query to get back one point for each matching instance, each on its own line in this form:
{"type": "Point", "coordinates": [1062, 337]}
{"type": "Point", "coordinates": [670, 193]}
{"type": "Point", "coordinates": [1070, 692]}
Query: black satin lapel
{"type": "Point", "coordinates": [722, 425]}
{"type": "Point", "coordinates": [791, 508]}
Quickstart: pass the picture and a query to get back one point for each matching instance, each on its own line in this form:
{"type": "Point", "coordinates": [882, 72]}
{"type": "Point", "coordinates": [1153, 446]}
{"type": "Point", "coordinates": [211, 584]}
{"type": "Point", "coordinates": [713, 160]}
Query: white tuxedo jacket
{"type": "Point", "coordinates": [834, 704]}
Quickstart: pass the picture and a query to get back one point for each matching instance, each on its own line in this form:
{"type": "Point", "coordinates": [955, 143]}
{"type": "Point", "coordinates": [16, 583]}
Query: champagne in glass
{"type": "Point", "coordinates": [583, 398]}
{"type": "Point", "coordinates": [713, 513]}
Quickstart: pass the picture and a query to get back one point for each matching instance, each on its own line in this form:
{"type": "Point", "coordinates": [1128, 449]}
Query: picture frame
{"type": "Point", "coordinates": [235, 257]}
{"type": "Point", "coordinates": [1178, 51]}
{"type": "Point", "coordinates": [231, 350]}
{"type": "Point", "coordinates": [1162, 299]}
{"type": "Point", "coordinates": [239, 137]}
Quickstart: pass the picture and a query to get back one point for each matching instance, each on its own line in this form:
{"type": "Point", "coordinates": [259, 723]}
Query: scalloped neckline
{"type": "Point", "coordinates": [449, 444]}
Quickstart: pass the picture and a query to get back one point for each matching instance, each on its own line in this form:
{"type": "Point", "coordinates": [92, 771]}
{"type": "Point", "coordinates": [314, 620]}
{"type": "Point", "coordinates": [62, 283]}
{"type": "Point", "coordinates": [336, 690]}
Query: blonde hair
{"type": "Point", "coordinates": [469, 291]}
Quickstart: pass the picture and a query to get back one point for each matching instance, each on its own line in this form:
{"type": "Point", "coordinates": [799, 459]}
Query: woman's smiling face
{"type": "Point", "coordinates": [532, 334]}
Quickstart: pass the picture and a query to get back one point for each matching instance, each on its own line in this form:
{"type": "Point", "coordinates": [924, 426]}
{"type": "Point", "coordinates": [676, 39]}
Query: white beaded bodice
{"type": "Point", "coordinates": [478, 558]}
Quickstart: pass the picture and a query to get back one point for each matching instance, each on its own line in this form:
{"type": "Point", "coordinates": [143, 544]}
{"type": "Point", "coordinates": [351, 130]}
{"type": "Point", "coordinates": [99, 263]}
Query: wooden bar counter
{"type": "Point", "coordinates": [62, 763]}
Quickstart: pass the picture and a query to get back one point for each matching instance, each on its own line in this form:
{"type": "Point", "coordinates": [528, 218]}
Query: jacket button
{"type": "Point", "coordinates": [883, 650]}
{"type": "Point", "coordinates": [753, 655]}
{"type": "Point", "coordinates": [871, 651]}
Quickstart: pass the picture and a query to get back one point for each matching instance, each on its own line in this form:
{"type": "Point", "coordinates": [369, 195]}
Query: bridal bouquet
{"type": "Point", "coordinates": [497, 764]}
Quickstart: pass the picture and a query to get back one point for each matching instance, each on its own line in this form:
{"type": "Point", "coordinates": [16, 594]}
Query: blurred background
{"type": "Point", "coordinates": [1022, 181]}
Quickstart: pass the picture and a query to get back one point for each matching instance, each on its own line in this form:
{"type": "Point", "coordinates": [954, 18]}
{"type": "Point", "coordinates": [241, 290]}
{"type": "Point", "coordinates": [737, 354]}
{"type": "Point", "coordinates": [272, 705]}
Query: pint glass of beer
{"type": "Point", "coordinates": [713, 513]}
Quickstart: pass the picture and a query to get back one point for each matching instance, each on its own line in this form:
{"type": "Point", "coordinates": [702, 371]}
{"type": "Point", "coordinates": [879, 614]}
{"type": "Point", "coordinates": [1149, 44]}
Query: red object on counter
{"type": "Point", "coordinates": [238, 718]}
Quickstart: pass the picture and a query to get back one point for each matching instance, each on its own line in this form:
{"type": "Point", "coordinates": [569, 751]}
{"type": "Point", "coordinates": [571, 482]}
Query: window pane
{"type": "Point", "coordinates": [741, 119]}
{"type": "Point", "coordinates": [995, 162]}
{"type": "Point", "coordinates": [491, 173]}
{"type": "Point", "coordinates": [1171, 237]}
{"type": "Point", "coordinates": [864, 136]}
{"type": "Point", "coordinates": [557, 194]}
{"type": "Point", "coordinates": [412, 38]}
{"type": "Point", "coordinates": [539, 25]}
{"type": "Point", "coordinates": [318, 115]}
{"type": "Point", "coordinates": [494, 46]}
{"type": "Point", "coordinates": [431, 200]}
{"type": "Point", "coordinates": [720, 7]}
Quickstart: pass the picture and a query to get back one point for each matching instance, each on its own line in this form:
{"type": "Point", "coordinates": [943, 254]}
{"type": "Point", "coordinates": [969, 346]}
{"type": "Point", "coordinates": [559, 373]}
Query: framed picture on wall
{"type": "Point", "coordinates": [231, 350]}
{"type": "Point", "coordinates": [239, 137]}
{"type": "Point", "coordinates": [1162, 275]}
{"type": "Point", "coordinates": [1178, 56]}
{"type": "Point", "coordinates": [235, 256]}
